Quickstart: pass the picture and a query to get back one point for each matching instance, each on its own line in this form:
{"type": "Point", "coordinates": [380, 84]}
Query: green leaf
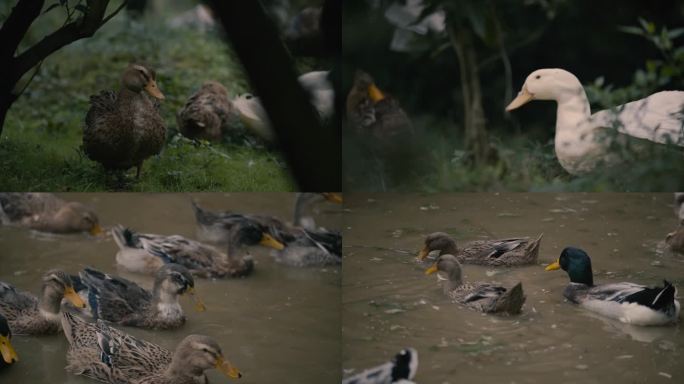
{"type": "Point", "coordinates": [631, 30]}
{"type": "Point", "coordinates": [675, 33]}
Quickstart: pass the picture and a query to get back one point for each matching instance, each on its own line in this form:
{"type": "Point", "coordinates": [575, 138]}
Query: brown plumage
{"type": "Point", "coordinates": [372, 112]}
{"type": "Point", "coordinates": [48, 213]}
{"type": "Point", "coordinates": [208, 114]}
{"type": "Point", "coordinates": [501, 252]}
{"type": "Point", "coordinates": [125, 128]}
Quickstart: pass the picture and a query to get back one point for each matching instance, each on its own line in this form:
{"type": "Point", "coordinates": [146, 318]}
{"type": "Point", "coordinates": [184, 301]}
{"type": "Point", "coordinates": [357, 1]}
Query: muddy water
{"type": "Point", "coordinates": [388, 302]}
{"type": "Point", "coordinates": [278, 325]}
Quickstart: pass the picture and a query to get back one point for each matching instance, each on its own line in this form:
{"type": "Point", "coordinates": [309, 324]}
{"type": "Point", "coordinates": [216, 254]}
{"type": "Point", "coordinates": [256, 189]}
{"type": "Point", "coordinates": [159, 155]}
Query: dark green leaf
{"type": "Point", "coordinates": [632, 30]}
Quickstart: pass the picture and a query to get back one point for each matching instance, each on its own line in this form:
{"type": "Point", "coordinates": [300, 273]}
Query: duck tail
{"type": "Point", "coordinates": [664, 300]}
{"type": "Point", "coordinates": [511, 301]}
{"type": "Point", "coordinates": [124, 237]}
{"type": "Point", "coordinates": [533, 249]}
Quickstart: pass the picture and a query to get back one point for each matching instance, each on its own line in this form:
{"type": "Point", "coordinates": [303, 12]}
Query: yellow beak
{"type": "Point", "coordinates": [431, 270]}
{"type": "Point", "coordinates": [153, 90]}
{"type": "Point", "coordinates": [524, 97]}
{"type": "Point", "coordinates": [96, 230]}
{"type": "Point", "coordinates": [199, 305]}
{"type": "Point", "coordinates": [333, 197]}
{"type": "Point", "coordinates": [268, 241]}
{"type": "Point", "coordinates": [73, 297]}
{"type": "Point", "coordinates": [552, 267]}
{"type": "Point", "coordinates": [423, 253]}
{"type": "Point", "coordinates": [227, 368]}
{"type": "Point", "coordinates": [9, 355]}
{"type": "Point", "coordinates": [375, 93]}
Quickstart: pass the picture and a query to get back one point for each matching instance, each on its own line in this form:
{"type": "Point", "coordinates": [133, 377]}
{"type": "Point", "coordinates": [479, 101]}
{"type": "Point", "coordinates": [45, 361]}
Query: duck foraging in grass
{"type": "Point", "coordinates": [108, 355]}
{"type": "Point", "coordinates": [121, 301]}
{"type": "Point", "coordinates": [7, 352]}
{"type": "Point", "coordinates": [483, 297]}
{"type": "Point", "coordinates": [28, 315]}
{"type": "Point", "coordinates": [125, 128]}
{"type": "Point", "coordinates": [209, 114]}
{"type": "Point", "coordinates": [583, 140]}
{"type": "Point", "coordinates": [627, 302]}
{"type": "Point", "coordinates": [502, 252]}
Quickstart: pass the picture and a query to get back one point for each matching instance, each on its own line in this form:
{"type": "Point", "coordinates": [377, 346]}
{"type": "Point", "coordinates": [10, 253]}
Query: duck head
{"type": "Point", "coordinates": [449, 265]}
{"type": "Point", "coordinates": [76, 217]}
{"type": "Point", "coordinates": [56, 286]}
{"type": "Point", "coordinates": [547, 84]}
{"type": "Point", "coordinates": [174, 279]}
{"type": "Point", "coordinates": [251, 233]}
{"type": "Point", "coordinates": [197, 353]}
{"type": "Point", "coordinates": [437, 241]}
{"type": "Point", "coordinates": [9, 355]}
{"type": "Point", "coordinates": [138, 78]}
{"type": "Point", "coordinates": [576, 263]}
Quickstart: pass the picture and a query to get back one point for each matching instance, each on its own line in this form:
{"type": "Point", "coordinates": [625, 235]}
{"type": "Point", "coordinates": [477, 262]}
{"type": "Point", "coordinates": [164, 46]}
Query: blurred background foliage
{"type": "Point", "coordinates": [620, 52]}
{"type": "Point", "coordinates": [39, 148]}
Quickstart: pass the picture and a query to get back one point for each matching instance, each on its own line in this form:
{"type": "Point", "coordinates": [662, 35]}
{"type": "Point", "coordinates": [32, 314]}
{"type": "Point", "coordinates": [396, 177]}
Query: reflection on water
{"type": "Point", "coordinates": [280, 324]}
{"type": "Point", "coordinates": [388, 302]}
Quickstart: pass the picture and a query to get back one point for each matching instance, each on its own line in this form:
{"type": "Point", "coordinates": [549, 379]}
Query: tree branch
{"type": "Point", "coordinates": [84, 26]}
{"type": "Point", "coordinates": [17, 24]}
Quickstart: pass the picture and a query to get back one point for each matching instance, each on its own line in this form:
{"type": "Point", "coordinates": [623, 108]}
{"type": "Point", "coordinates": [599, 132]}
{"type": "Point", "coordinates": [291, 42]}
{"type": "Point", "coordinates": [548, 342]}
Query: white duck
{"type": "Point", "coordinates": [579, 141]}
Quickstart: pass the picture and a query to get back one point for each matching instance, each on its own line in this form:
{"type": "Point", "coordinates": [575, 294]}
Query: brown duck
{"type": "Point", "coordinates": [370, 111]}
{"type": "Point", "coordinates": [208, 114]}
{"type": "Point", "coordinates": [46, 212]}
{"type": "Point", "coordinates": [125, 128]}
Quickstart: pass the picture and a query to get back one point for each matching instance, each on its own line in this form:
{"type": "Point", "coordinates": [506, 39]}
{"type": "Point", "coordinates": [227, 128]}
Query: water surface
{"type": "Point", "coordinates": [389, 303]}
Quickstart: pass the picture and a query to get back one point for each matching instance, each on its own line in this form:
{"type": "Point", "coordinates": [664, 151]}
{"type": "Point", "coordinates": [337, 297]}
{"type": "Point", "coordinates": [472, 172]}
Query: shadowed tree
{"type": "Point", "coordinates": [84, 18]}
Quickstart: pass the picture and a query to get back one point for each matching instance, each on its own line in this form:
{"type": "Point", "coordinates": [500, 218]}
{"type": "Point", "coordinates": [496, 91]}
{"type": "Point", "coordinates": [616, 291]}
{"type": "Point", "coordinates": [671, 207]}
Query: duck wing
{"type": "Point", "coordinates": [114, 298]}
{"type": "Point", "coordinates": [178, 249]}
{"type": "Point", "coordinates": [658, 118]}
{"type": "Point", "coordinates": [14, 302]}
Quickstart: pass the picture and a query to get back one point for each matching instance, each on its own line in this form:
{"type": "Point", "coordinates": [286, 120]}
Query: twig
{"type": "Point", "coordinates": [106, 19]}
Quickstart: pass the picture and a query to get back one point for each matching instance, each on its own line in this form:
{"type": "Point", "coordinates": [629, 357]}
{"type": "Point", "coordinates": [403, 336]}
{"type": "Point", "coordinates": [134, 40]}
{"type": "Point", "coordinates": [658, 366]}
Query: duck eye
{"type": "Point", "coordinates": [538, 77]}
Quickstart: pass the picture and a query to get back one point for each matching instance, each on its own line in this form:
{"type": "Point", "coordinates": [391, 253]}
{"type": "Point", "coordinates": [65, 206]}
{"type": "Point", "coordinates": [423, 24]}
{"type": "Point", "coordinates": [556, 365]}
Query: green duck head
{"type": "Point", "coordinates": [576, 263]}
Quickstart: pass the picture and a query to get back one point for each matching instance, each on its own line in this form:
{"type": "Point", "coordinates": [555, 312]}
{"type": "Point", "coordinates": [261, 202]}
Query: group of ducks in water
{"type": "Point", "coordinates": [124, 128]}
{"type": "Point", "coordinates": [626, 302]}
{"type": "Point", "coordinates": [583, 141]}
{"type": "Point", "coordinates": [89, 306]}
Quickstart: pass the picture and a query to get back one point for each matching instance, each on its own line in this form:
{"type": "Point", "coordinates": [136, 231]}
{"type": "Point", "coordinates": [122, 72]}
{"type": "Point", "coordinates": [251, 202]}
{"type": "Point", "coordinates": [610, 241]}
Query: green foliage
{"type": "Point", "coordinates": [40, 146]}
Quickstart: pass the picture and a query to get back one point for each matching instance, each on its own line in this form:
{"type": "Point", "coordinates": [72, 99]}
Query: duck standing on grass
{"type": "Point", "coordinates": [583, 140]}
{"type": "Point", "coordinates": [46, 212]}
{"type": "Point", "coordinates": [627, 302]}
{"type": "Point", "coordinates": [125, 128]}
{"type": "Point", "coordinates": [209, 114]}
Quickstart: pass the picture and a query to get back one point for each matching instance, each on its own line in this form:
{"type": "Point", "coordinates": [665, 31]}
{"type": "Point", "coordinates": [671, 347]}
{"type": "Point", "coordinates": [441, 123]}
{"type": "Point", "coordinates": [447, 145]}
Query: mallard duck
{"type": "Point", "coordinates": [627, 302]}
{"type": "Point", "coordinates": [9, 355]}
{"type": "Point", "coordinates": [146, 253]}
{"type": "Point", "coordinates": [124, 302]}
{"type": "Point", "coordinates": [28, 315]}
{"type": "Point", "coordinates": [581, 142]}
{"type": "Point", "coordinates": [208, 114]}
{"type": "Point", "coordinates": [302, 247]}
{"type": "Point", "coordinates": [484, 297]}
{"type": "Point", "coordinates": [372, 112]}
{"type": "Point", "coordinates": [112, 356]}
{"type": "Point", "coordinates": [125, 128]}
{"type": "Point", "coordinates": [502, 252]}
{"type": "Point", "coordinates": [48, 213]}
{"type": "Point", "coordinates": [401, 369]}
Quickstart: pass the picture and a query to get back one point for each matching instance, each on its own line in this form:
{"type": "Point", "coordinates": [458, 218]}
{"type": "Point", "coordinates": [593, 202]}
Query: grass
{"type": "Point", "coordinates": [524, 163]}
{"type": "Point", "coordinates": [40, 143]}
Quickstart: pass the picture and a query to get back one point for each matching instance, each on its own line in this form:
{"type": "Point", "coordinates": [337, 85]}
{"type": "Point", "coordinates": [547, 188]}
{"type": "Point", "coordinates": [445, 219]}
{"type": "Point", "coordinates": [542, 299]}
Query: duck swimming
{"type": "Point", "coordinates": [401, 369]}
{"type": "Point", "coordinates": [124, 302]}
{"type": "Point", "coordinates": [627, 302]}
{"type": "Point", "coordinates": [111, 356]}
{"type": "Point", "coordinates": [46, 212]}
{"type": "Point", "coordinates": [7, 352]}
{"type": "Point", "coordinates": [582, 140]}
{"type": "Point", "coordinates": [483, 297]}
{"type": "Point", "coordinates": [503, 252]}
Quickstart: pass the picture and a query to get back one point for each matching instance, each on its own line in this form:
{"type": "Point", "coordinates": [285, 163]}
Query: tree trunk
{"type": "Point", "coordinates": [475, 130]}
